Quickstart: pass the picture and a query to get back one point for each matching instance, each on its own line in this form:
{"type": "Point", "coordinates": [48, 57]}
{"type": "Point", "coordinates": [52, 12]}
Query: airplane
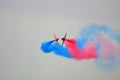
{"type": "Point", "coordinates": [64, 38]}
{"type": "Point", "coordinates": [55, 38]}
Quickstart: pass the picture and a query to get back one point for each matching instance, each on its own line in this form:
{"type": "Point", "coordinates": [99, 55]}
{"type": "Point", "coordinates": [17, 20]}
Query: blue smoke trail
{"type": "Point", "coordinates": [88, 32]}
{"type": "Point", "coordinates": [106, 64]}
{"type": "Point", "coordinates": [80, 42]}
{"type": "Point", "coordinates": [46, 46]}
{"type": "Point", "coordinates": [58, 49]}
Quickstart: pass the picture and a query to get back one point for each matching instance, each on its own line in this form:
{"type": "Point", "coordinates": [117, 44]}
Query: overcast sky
{"type": "Point", "coordinates": [24, 24]}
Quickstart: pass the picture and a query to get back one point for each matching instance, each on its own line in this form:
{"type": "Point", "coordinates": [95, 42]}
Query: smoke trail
{"type": "Point", "coordinates": [88, 32]}
{"type": "Point", "coordinates": [107, 44]}
{"type": "Point", "coordinates": [107, 54]}
{"type": "Point", "coordinates": [46, 46]}
{"type": "Point", "coordinates": [94, 41]}
{"type": "Point", "coordinates": [58, 49]}
{"type": "Point", "coordinates": [87, 52]}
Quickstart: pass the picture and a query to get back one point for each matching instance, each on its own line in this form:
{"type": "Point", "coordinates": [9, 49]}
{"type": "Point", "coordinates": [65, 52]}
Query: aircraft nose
{"type": "Point", "coordinates": [63, 39]}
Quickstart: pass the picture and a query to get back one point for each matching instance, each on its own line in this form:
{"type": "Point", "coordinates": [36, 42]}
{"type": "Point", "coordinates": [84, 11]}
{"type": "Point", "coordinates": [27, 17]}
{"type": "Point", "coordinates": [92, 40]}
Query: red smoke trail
{"type": "Point", "coordinates": [88, 51]}
{"type": "Point", "coordinates": [108, 48]}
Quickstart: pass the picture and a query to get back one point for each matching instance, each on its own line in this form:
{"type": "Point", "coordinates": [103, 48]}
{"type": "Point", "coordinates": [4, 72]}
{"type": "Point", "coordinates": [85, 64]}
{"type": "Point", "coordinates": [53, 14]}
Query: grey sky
{"type": "Point", "coordinates": [24, 24]}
